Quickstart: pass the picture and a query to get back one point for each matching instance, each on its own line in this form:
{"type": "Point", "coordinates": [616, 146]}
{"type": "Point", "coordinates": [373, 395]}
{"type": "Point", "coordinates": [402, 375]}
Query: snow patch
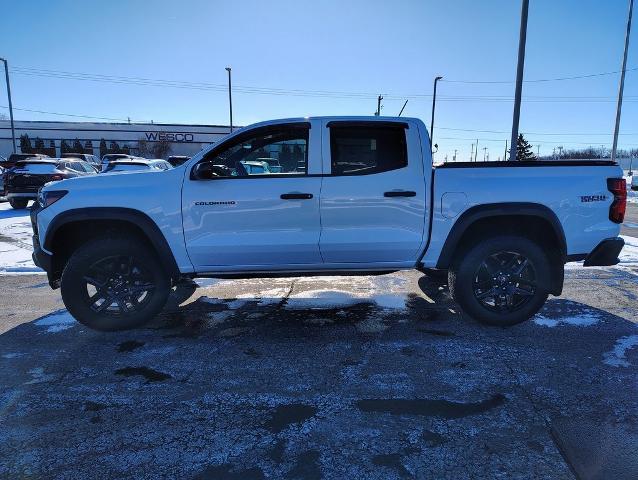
{"type": "Point", "coordinates": [57, 322]}
{"type": "Point", "coordinates": [616, 357]}
{"type": "Point", "coordinates": [584, 320]}
{"type": "Point", "coordinates": [15, 242]}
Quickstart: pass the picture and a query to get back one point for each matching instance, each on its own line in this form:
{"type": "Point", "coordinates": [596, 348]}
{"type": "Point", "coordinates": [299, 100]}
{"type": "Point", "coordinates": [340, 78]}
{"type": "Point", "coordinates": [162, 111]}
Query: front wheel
{"type": "Point", "coordinates": [502, 280]}
{"type": "Point", "coordinates": [114, 284]}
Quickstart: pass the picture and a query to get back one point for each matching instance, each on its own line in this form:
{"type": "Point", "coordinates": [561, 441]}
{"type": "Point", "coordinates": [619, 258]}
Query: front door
{"type": "Point", "coordinates": [260, 205]}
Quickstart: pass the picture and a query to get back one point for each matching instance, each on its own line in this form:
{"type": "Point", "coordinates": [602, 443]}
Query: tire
{"type": "Point", "coordinates": [119, 269]}
{"type": "Point", "coordinates": [501, 280]}
{"type": "Point", "coordinates": [18, 203]}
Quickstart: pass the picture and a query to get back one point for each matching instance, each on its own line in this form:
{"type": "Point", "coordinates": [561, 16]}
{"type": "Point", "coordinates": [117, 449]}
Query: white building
{"type": "Point", "coordinates": [181, 139]}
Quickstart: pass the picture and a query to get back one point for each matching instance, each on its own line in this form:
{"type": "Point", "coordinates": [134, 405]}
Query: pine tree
{"type": "Point", "coordinates": [103, 148]}
{"type": "Point", "coordinates": [64, 147]}
{"type": "Point", "coordinates": [39, 145]}
{"type": "Point", "coordinates": [88, 147]}
{"type": "Point", "coordinates": [524, 150]}
{"type": "Point", "coordinates": [77, 146]}
{"type": "Point", "coordinates": [114, 147]}
{"type": "Point", "coordinates": [51, 151]}
{"type": "Point", "coordinates": [25, 144]}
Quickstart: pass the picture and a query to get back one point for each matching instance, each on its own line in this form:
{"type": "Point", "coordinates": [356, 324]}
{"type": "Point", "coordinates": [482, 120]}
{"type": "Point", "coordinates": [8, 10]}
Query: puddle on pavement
{"type": "Point", "coordinates": [129, 346]}
{"type": "Point", "coordinates": [90, 406]}
{"type": "Point", "coordinates": [148, 373]}
{"type": "Point", "coordinates": [227, 471]}
{"type": "Point", "coordinates": [438, 333]}
{"type": "Point", "coordinates": [306, 466]}
{"type": "Point", "coordinates": [393, 461]}
{"type": "Point", "coordinates": [285, 415]}
{"type": "Point", "coordinates": [429, 407]}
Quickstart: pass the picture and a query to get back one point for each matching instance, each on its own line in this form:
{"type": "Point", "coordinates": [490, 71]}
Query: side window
{"type": "Point", "coordinates": [272, 152]}
{"type": "Point", "coordinates": [364, 150]}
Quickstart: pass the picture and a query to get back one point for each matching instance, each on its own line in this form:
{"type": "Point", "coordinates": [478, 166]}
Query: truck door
{"type": "Point", "coordinates": [373, 203]}
{"type": "Point", "coordinates": [234, 220]}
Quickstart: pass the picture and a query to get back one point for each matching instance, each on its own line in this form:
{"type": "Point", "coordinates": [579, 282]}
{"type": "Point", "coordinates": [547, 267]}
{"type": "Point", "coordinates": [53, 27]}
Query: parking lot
{"type": "Point", "coordinates": [323, 377]}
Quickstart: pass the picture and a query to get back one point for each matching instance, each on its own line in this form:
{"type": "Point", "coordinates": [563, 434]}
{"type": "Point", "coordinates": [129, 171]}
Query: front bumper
{"type": "Point", "coordinates": [605, 254]}
{"type": "Point", "coordinates": [41, 258]}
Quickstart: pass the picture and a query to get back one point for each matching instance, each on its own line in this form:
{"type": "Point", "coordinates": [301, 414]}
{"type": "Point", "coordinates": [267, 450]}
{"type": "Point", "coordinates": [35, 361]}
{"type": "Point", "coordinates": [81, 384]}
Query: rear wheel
{"type": "Point", "coordinates": [18, 203]}
{"type": "Point", "coordinates": [114, 284]}
{"type": "Point", "coordinates": [502, 280]}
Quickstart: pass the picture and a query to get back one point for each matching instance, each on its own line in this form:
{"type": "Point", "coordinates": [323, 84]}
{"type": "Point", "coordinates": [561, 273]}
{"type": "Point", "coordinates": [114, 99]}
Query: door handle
{"type": "Point", "coordinates": [401, 193]}
{"type": "Point", "coordinates": [296, 196]}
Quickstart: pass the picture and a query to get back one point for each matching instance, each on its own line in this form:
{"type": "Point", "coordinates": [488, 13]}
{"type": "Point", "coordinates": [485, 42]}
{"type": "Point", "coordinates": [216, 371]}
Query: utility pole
{"type": "Point", "coordinates": [230, 99]}
{"type": "Point", "coordinates": [454, 157]}
{"type": "Point", "coordinates": [433, 108]}
{"type": "Point", "coordinates": [505, 154]}
{"type": "Point", "coordinates": [476, 151]}
{"type": "Point", "coordinates": [13, 131]}
{"type": "Point", "coordinates": [379, 107]}
{"type": "Point", "coordinates": [519, 78]}
{"type": "Point", "coordinates": [538, 151]}
{"type": "Point", "coordinates": [484, 152]}
{"type": "Point", "coordinates": [621, 87]}
{"type": "Point", "coordinates": [472, 153]}
{"type": "Point", "coordinates": [406, 102]}
{"type": "Point", "coordinates": [560, 151]}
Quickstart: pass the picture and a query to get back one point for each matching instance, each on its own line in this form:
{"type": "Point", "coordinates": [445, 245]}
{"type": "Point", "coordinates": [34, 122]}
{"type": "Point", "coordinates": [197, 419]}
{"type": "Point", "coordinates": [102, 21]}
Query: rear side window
{"type": "Point", "coordinates": [363, 150]}
{"type": "Point", "coordinates": [36, 168]}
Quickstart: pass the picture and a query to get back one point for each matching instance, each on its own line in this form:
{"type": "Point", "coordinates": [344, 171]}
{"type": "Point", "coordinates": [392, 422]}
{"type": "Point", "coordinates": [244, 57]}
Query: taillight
{"type": "Point", "coordinates": [617, 186]}
{"type": "Point", "coordinates": [56, 177]}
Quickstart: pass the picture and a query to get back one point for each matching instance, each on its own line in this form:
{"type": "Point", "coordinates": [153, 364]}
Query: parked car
{"type": "Point", "coordinates": [85, 157]}
{"type": "Point", "coordinates": [2, 174]}
{"type": "Point", "coordinates": [177, 160]}
{"type": "Point", "coordinates": [371, 202]}
{"type": "Point", "coordinates": [16, 157]}
{"type": "Point", "coordinates": [23, 181]}
{"type": "Point", "coordinates": [111, 157]}
{"type": "Point", "coordinates": [634, 182]}
{"type": "Point", "coordinates": [253, 167]}
{"type": "Point", "coordinates": [273, 164]}
{"type": "Point", "coordinates": [136, 164]}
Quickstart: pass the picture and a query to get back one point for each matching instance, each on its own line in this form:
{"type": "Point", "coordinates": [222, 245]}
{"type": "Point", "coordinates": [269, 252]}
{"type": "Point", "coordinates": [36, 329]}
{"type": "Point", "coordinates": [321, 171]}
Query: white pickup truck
{"type": "Point", "coordinates": [354, 195]}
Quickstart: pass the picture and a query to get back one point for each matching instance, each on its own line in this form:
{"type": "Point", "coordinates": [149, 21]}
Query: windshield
{"type": "Point", "coordinates": [35, 168]}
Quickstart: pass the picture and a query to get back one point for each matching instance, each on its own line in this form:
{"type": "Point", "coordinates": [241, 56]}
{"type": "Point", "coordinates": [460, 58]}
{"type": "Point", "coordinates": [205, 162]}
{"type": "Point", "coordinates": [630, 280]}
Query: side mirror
{"type": "Point", "coordinates": [203, 171]}
{"type": "Point", "coordinates": [207, 170]}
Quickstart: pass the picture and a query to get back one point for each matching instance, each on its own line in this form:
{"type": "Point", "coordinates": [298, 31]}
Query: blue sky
{"type": "Point", "coordinates": [360, 48]}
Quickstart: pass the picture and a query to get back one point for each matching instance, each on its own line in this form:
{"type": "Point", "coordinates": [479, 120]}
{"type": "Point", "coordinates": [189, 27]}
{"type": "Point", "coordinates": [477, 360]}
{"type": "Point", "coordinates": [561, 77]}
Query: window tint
{"type": "Point", "coordinates": [363, 150]}
{"type": "Point", "coordinates": [279, 152]}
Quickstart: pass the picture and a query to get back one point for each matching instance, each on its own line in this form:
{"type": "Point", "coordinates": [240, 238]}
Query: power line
{"type": "Point", "coordinates": [530, 133]}
{"type": "Point", "coordinates": [70, 114]}
{"type": "Point", "coordinates": [540, 80]}
{"type": "Point", "coordinates": [142, 81]}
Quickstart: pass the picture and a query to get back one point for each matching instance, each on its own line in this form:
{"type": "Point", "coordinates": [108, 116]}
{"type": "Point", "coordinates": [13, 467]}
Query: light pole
{"type": "Point", "coordinates": [519, 79]}
{"type": "Point", "coordinates": [379, 106]}
{"type": "Point", "coordinates": [13, 132]}
{"type": "Point", "coordinates": [230, 99]}
{"type": "Point", "coordinates": [622, 82]}
{"type": "Point", "coordinates": [436, 80]}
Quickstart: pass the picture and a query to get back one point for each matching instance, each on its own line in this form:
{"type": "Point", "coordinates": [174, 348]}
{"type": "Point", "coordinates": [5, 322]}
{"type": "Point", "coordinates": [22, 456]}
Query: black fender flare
{"type": "Point", "coordinates": [491, 210]}
{"type": "Point", "coordinates": [135, 217]}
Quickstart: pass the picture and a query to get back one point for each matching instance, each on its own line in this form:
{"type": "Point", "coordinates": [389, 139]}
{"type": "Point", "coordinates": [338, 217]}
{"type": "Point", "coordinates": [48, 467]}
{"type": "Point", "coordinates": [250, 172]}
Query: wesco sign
{"type": "Point", "coordinates": [169, 137]}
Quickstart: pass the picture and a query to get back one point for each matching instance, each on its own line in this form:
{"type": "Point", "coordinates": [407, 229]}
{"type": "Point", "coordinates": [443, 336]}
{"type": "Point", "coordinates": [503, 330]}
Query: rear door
{"type": "Point", "coordinates": [373, 203]}
{"type": "Point", "coordinates": [241, 221]}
